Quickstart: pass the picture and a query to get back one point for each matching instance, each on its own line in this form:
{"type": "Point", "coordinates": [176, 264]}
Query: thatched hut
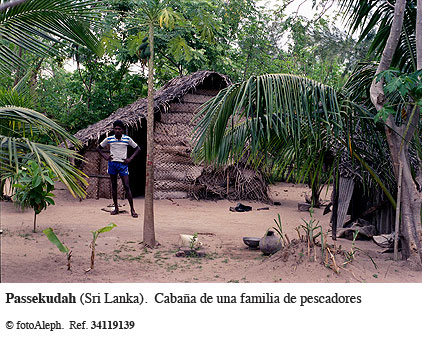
{"type": "Point", "coordinates": [175, 174]}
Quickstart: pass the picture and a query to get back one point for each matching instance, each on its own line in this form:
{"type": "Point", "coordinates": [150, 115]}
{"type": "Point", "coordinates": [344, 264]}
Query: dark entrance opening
{"type": "Point", "coordinates": [137, 166]}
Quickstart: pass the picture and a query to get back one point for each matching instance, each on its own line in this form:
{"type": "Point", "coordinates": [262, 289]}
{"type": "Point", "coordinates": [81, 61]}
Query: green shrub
{"type": "Point", "coordinates": [33, 185]}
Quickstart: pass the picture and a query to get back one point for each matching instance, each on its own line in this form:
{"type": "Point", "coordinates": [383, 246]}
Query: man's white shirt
{"type": "Point", "coordinates": [118, 147]}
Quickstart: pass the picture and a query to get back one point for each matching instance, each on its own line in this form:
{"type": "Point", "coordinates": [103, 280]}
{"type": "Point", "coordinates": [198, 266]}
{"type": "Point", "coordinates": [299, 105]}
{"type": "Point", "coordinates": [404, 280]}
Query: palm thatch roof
{"type": "Point", "coordinates": [132, 114]}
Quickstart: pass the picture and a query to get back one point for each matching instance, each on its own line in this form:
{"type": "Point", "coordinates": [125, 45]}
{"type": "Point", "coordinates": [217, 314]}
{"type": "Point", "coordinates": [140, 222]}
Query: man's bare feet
{"type": "Point", "coordinates": [114, 212]}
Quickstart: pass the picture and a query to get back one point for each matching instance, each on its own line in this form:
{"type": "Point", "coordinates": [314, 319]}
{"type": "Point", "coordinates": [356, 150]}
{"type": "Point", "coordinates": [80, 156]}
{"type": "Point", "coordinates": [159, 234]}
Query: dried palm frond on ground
{"type": "Point", "coordinates": [235, 182]}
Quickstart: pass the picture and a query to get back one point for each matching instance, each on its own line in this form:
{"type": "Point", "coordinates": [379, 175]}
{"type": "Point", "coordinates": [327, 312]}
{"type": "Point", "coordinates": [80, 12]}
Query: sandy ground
{"type": "Point", "coordinates": [121, 257]}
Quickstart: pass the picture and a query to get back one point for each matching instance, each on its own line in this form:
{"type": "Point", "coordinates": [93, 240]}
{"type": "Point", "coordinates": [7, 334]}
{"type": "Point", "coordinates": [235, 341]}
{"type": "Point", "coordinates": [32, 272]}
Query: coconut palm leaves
{"type": "Point", "coordinates": [280, 120]}
{"type": "Point", "coordinates": [21, 130]}
{"type": "Point", "coordinates": [293, 125]}
{"type": "Point", "coordinates": [35, 24]}
{"type": "Point", "coordinates": [255, 110]}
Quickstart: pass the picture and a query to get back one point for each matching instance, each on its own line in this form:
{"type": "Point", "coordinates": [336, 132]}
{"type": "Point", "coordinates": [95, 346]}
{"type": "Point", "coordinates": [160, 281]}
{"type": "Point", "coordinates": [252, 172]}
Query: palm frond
{"type": "Point", "coordinates": [294, 125]}
{"type": "Point", "coordinates": [261, 107]}
{"type": "Point", "coordinates": [367, 16]}
{"type": "Point", "coordinates": [20, 121]}
{"type": "Point", "coordinates": [19, 127]}
{"type": "Point", "coordinates": [16, 151]}
{"type": "Point", "coordinates": [9, 97]}
{"type": "Point", "coordinates": [35, 24]}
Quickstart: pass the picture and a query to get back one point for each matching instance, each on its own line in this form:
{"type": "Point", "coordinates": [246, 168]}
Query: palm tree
{"type": "Point", "coordinates": [157, 13]}
{"type": "Point", "coordinates": [398, 44]}
{"type": "Point", "coordinates": [38, 27]}
{"type": "Point", "coordinates": [152, 13]}
{"type": "Point", "coordinates": [286, 118]}
{"type": "Point", "coordinates": [288, 109]}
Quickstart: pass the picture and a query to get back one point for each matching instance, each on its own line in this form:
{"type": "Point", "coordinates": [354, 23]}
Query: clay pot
{"type": "Point", "coordinates": [270, 243]}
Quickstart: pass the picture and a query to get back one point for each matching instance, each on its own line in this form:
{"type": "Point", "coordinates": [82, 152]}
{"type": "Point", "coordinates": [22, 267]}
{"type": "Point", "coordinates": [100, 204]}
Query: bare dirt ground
{"type": "Point", "coordinates": [121, 257]}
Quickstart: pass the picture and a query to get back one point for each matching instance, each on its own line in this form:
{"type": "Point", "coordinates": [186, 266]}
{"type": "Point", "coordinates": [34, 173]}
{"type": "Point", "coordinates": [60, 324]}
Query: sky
{"type": "Point", "coordinates": [302, 7]}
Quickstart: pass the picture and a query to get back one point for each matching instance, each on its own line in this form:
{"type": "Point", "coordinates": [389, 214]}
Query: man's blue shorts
{"type": "Point", "coordinates": [117, 168]}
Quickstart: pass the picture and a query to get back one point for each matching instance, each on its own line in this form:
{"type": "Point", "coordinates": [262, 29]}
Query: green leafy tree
{"type": "Point", "coordinates": [79, 98]}
{"type": "Point", "coordinates": [398, 43]}
{"type": "Point", "coordinates": [33, 186]}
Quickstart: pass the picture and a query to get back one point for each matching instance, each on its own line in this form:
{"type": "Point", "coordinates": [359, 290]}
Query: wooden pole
{"type": "Point", "coordinates": [397, 225]}
{"type": "Point", "coordinates": [228, 183]}
{"type": "Point", "coordinates": [334, 214]}
{"type": "Point", "coordinates": [149, 229]}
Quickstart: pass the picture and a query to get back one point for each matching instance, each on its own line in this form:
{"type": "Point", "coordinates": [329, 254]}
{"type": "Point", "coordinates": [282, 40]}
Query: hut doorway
{"type": "Point", "coordinates": [138, 164]}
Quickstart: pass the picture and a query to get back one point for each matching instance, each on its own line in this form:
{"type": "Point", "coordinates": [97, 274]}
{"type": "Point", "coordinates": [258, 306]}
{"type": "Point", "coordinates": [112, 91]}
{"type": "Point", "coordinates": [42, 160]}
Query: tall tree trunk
{"type": "Point", "coordinates": [149, 231]}
{"type": "Point", "coordinates": [397, 137]}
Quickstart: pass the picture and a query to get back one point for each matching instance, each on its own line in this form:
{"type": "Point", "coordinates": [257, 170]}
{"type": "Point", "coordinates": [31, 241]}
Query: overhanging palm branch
{"type": "Point", "coordinates": [35, 24]}
{"type": "Point", "coordinates": [280, 120]}
{"type": "Point", "coordinates": [298, 124]}
{"type": "Point", "coordinates": [18, 129]}
{"type": "Point", "coordinates": [29, 123]}
{"type": "Point", "coordinates": [263, 106]}
{"type": "Point", "coordinates": [14, 152]}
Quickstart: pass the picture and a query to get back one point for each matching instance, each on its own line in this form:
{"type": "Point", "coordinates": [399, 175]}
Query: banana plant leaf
{"type": "Point", "coordinates": [107, 228]}
{"type": "Point", "coordinates": [55, 240]}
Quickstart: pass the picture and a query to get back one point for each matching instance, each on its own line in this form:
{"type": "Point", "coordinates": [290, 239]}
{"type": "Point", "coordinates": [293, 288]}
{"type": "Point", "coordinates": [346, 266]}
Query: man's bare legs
{"type": "Point", "coordinates": [113, 178]}
{"type": "Point", "coordinates": [125, 180]}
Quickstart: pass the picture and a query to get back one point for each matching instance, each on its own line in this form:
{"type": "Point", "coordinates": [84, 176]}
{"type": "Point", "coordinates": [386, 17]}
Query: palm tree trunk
{"type": "Point", "coordinates": [398, 139]}
{"type": "Point", "coordinates": [149, 232]}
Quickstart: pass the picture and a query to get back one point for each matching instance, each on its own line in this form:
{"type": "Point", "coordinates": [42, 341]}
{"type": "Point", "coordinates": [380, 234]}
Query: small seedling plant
{"type": "Point", "coordinates": [279, 229]}
{"type": "Point", "coordinates": [193, 243]}
{"type": "Point", "coordinates": [313, 230]}
{"type": "Point", "coordinates": [95, 235]}
{"type": "Point", "coordinates": [350, 255]}
{"type": "Point", "coordinates": [33, 185]}
{"type": "Point", "coordinates": [56, 241]}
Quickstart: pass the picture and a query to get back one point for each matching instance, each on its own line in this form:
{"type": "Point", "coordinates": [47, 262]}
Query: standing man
{"type": "Point", "coordinates": [118, 162]}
